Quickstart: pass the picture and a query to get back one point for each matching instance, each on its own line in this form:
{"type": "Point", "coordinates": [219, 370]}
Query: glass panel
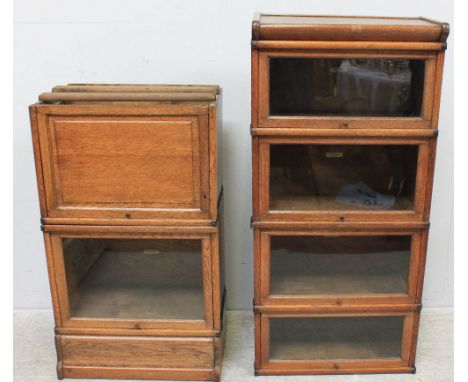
{"type": "Point", "coordinates": [318, 265]}
{"type": "Point", "coordinates": [346, 87]}
{"type": "Point", "coordinates": [335, 338]}
{"type": "Point", "coordinates": [342, 177]}
{"type": "Point", "coordinates": [134, 279]}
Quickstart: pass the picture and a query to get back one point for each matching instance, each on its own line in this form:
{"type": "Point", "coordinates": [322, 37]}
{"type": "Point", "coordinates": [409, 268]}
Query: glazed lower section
{"type": "Point", "coordinates": [116, 357]}
{"type": "Point", "coordinates": [335, 342]}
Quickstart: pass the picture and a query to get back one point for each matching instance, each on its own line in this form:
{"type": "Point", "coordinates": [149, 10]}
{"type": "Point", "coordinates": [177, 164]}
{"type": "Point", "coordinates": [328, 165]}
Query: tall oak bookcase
{"type": "Point", "coordinates": [344, 131]}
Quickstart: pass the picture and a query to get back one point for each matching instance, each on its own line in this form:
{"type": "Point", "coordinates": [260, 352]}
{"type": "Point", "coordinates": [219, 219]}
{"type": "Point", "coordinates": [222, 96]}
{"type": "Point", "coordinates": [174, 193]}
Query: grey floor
{"type": "Point", "coordinates": [34, 352]}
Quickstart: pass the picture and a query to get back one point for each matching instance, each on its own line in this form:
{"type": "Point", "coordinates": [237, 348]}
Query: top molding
{"type": "Point", "coordinates": [272, 27]}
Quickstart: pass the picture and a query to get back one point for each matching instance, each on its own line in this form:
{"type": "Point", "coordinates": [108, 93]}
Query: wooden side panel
{"type": "Point", "coordinates": [38, 159]}
{"type": "Point", "coordinates": [217, 255]}
{"type": "Point", "coordinates": [79, 256]}
{"type": "Point", "coordinates": [258, 341]}
{"type": "Point", "coordinates": [132, 352]}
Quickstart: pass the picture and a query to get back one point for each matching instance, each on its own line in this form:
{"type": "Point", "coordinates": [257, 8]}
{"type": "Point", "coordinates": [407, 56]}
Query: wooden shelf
{"type": "Point", "coordinates": [335, 338]}
{"type": "Point", "coordinates": [329, 274]}
{"type": "Point", "coordinates": [326, 203]}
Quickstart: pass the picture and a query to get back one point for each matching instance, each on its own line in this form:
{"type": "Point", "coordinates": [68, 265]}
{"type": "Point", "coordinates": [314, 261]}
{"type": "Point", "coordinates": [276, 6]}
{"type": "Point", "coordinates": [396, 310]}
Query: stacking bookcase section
{"type": "Point", "coordinates": [303, 267]}
{"type": "Point", "coordinates": [336, 342]}
{"type": "Point", "coordinates": [144, 154]}
{"type": "Point", "coordinates": [343, 179]}
{"type": "Point", "coordinates": [153, 290]}
{"type": "Point", "coordinates": [132, 213]}
{"type": "Point", "coordinates": [344, 131]}
{"type": "Point", "coordinates": [351, 78]}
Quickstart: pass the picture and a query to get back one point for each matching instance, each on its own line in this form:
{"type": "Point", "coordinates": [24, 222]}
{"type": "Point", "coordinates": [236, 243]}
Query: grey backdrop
{"type": "Point", "coordinates": [151, 41]}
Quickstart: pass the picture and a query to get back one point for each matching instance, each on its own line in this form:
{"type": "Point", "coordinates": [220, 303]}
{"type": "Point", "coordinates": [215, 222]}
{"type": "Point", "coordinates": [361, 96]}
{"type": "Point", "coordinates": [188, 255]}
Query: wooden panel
{"type": "Point", "coordinates": [127, 162]}
{"type": "Point", "coordinates": [347, 28]}
{"type": "Point", "coordinates": [131, 352]}
{"type": "Point", "coordinates": [79, 256]}
{"type": "Point", "coordinates": [335, 370]}
{"type": "Point", "coordinates": [137, 373]}
{"type": "Point", "coordinates": [218, 268]}
{"type": "Point", "coordinates": [307, 310]}
{"type": "Point", "coordinates": [348, 45]}
{"type": "Point", "coordinates": [346, 132]}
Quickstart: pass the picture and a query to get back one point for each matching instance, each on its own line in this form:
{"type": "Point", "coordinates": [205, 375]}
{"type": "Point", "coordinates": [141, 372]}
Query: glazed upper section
{"type": "Point", "coordinates": [347, 28]}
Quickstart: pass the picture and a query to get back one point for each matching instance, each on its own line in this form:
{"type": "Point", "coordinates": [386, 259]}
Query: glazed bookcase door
{"type": "Point", "coordinates": [134, 282]}
{"type": "Point", "coordinates": [125, 162]}
{"type": "Point", "coordinates": [330, 268]}
{"type": "Point", "coordinates": [342, 179]}
{"type": "Point", "coordinates": [345, 89]}
{"type": "Point", "coordinates": [336, 343]}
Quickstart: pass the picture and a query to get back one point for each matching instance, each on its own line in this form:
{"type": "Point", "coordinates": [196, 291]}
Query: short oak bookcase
{"type": "Point", "coordinates": [344, 130]}
{"type": "Point", "coordinates": [131, 206]}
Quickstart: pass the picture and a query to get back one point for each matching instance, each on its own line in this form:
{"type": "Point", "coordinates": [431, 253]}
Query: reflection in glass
{"type": "Point", "coordinates": [349, 265]}
{"type": "Point", "coordinates": [335, 338]}
{"type": "Point", "coordinates": [134, 279]}
{"type": "Point", "coordinates": [346, 87]}
{"type": "Point", "coordinates": [342, 177]}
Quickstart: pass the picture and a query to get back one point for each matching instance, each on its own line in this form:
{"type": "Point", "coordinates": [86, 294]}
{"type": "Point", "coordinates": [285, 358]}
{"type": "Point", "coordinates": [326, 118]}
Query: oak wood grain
{"type": "Point", "coordinates": [332, 38]}
{"type": "Point", "coordinates": [347, 28]}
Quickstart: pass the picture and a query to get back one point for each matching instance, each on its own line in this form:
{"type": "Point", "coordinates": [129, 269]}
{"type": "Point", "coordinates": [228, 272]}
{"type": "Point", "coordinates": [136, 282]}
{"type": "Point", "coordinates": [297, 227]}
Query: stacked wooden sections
{"type": "Point", "coordinates": [131, 205]}
{"type": "Point", "coordinates": [344, 130]}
